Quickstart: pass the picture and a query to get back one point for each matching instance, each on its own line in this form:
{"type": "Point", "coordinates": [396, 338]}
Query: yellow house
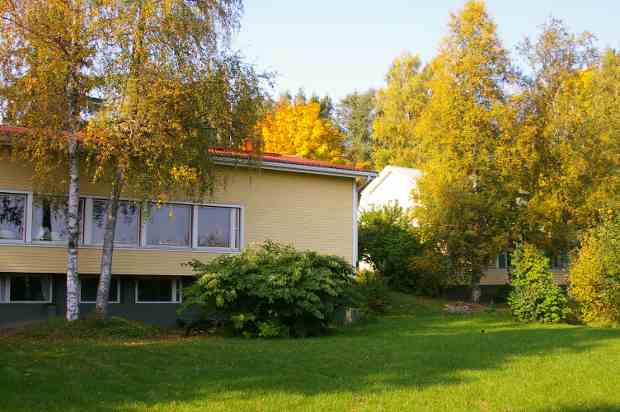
{"type": "Point", "coordinates": [309, 204]}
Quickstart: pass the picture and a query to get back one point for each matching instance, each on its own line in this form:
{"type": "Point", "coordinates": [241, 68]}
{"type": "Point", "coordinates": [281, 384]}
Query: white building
{"type": "Point", "coordinates": [393, 185]}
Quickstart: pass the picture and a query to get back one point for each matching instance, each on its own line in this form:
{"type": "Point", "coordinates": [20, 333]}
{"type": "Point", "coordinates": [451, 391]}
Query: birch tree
{"type": "Point", "coordinates": [399, 105]}
{"type": "Point", "coordinates": [463, 201]}
{"type": "Point", "coordinates": [171, 91]}
{"type": "Point", "coordinates": [47, 61]}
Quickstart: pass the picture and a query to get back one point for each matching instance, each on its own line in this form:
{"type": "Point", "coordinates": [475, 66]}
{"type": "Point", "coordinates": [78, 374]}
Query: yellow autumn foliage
{"type": "Point", "coordinates": [298, 129]}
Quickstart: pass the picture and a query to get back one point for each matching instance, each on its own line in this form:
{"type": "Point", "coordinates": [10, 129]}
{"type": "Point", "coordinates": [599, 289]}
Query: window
{"type": "Point", "coordinates": [29, 289]}
{"type": "Point", "coordinates": [217, 227]}
{"type": "Point", "coordinates": [127, 223]}
{"type": "Point", "coordinates": [169, 225]}
{"type": "Point", "coordinates": [559, 261]}
{"type": "Point", "coordinates": [25, 217]}
{"type": "Point", "coordinates": [158, 290]}
{"type": "Point", "coordinates": [5, 288]}
{"type": "Point", "coordinates": [49, 219]}
{"type": "Point", "coordinates": [88, 290]}
{"type": "Point", "coordinates": [503, 260]}
{"type": "Point", "coordinates": [12, 216]}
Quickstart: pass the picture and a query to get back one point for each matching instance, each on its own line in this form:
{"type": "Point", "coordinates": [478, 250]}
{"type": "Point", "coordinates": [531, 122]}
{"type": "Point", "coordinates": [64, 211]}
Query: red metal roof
{"type": "Point", "coordinates": [283, 158]}
{"type": "Point", "coordinates": [241, 154]}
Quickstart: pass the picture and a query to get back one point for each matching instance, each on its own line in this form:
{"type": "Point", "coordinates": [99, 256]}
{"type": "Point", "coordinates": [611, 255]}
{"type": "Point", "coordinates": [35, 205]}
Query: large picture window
{"type": "Point", "coordinates": [169, 225]}
{"type": "Point", "coordinates": [12, 216]}
{"type": "Point", "coordinates": [158, 290]}
{"type": "Point", "coordinates": [30, 289]}
{"type": "Point", "coordinates": [127, 223]}
{"type": "Point", "coordinates": [49, 219]}
{"type": "Point", "coordinates": [88, 290]}
{"type": "Point", "coordinates": [217, 227]}
{"type": "Point", "coordinates": [28, 218]}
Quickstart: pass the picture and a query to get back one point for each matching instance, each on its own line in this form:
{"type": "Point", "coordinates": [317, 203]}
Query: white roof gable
{"type": "Point", "coordinates": [393, 185]}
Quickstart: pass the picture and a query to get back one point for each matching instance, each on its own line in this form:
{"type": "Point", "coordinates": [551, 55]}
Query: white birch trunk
{"type": "Point", "coordinates": [73, 229]}
{"type": "Point", "coordinates": [105, 275]}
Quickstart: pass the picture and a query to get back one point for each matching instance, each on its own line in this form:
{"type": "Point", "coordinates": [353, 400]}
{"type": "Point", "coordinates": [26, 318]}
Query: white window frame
{"type": "Point", "coordinates": [236, 229]}
{"type": "Point", "coordinates": [118, 292]}
{"type": "Point", "coordinates": [177, 290]}
{"type": "Point", "coordinates": [19, 302]}
{"type": "Point", "coordinates": [27, 216]}
{"type": "Point", "coordinates": [88, 224]}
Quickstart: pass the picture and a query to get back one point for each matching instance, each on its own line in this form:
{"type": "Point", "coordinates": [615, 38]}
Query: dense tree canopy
{"type": "Point", "coordinates": [507, 157]}
{"type": "Point", "coordinates": [355, 115]}
{"type": "Point", "coordinates": [298, 128]}
{"type": "Point", "coordinates": [458, 134]}
{"type": "Point", "coordinates": [398, 106]}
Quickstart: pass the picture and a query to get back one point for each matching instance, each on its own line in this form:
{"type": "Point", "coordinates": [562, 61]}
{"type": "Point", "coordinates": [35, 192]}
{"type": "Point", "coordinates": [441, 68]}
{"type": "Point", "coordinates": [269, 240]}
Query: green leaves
{"type": "Point", "coordinates": [272, 289]}
{"type": "Point", "coordinates": [535, 297]}
{"type": "Point", "coordinates": [595, 274]}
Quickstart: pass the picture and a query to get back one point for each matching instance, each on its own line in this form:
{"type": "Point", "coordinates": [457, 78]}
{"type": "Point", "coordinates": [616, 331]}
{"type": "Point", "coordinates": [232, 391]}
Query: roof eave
{"type": "Point", "coordinates": [293, 167]}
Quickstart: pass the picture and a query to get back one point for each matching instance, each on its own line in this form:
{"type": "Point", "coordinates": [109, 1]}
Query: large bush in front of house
{"type": "Point", "coordinates": [535, 296]}
{"type": "Point", "coordinates": [595, 274]}
{"type": "Point", "coordinates": [391, 245]}
{"type": "Point", "coordinates": [272, 290]}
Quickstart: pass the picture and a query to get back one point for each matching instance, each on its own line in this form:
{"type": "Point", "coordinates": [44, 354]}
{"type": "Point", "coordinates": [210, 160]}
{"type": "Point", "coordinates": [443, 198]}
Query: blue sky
{"type": "Point", "coordinates": [338, 46]}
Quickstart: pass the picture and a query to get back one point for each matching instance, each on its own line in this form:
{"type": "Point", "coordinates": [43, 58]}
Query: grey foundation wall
{"type": "Point", "coordinates": [158, 314]}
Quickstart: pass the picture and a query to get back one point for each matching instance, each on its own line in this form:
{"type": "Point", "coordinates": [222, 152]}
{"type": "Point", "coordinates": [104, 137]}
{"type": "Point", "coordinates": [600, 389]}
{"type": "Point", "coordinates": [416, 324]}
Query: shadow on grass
{"type": "Point", "coordinates": [395, 352]}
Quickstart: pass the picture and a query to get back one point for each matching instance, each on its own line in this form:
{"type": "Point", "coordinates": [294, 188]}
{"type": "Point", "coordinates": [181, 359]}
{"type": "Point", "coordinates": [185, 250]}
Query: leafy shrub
{"type": "Point", "coordinates": [431, 271]}
{"type": "Point", "coordinates": [535, 296]}
{"type": "Point", "coordinates": [372, 292]}
{"type": "Point", "coordinates": [595, 274]}
{"type": "Point", "coordinates": [387, 242]}
{"type": "Point", "coordinates": [272, 290]}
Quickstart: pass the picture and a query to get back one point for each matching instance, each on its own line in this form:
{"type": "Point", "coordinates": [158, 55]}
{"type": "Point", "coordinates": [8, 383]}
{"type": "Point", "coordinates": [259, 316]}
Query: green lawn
{"type": "Point", "coordinates": [415, 358]}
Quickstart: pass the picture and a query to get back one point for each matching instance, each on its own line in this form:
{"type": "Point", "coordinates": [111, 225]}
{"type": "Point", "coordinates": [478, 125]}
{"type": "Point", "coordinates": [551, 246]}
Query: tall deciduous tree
{"type": "Point", "coordinates": [355, 115]}
{"type": "Point", "coordinates": [567, 142]}
{"type": "Point", "coordinates": [463, 203]}
{"type": "Point", "coordinates": [170, 93]}
{"type": "Point", "coordinates": [298, 129]}
{"type": "Point", "coordinates": [398, 108]}
{"type": "Point", "coordinates": [48, 70]}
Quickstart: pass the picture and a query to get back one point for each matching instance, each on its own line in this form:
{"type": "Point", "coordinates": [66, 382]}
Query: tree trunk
{"type": "Point", "coordinates": [73, 229]}
{"type": "Point", "coordinates": [476, 292]}
{"type": "Point", "coordinates": [105, 276]}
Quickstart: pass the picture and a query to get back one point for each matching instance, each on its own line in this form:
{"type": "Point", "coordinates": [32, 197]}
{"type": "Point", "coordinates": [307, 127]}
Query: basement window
{"type": "Point", "coordinates": [159, 290]}
{"type": "Point", "coordinates": [26, 289]}
{"type": "Point", "coordinates": [88, 290]}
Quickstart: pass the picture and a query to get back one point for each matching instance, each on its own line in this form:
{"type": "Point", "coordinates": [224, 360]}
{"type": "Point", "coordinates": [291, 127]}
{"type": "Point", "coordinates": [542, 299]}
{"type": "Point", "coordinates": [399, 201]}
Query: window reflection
{"type": "Point", "coordinates": [127, 222]}
{"type": "Point", "coordinates": [12, 216]}
{"type": "Point", "coordinates": [169, 225]}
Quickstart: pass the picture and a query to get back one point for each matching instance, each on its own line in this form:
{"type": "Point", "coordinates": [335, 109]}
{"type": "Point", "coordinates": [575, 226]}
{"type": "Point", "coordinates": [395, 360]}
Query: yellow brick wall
{"type": "Point", "coordinates": [500, 277]}
{"type": "Point", "coordinates": [308, 211]}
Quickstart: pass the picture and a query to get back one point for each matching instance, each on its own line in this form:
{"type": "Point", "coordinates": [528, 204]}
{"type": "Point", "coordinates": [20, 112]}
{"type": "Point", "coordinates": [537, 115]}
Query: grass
{"type": "Point", "coordinates": [413, 358]}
